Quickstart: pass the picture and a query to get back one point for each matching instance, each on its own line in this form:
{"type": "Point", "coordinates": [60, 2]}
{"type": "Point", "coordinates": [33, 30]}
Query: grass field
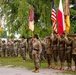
{"type": "Point", "coordinates": [18, 62]}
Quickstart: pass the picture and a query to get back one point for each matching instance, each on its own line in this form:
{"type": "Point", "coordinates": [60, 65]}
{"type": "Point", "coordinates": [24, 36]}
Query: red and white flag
{"type": "Point", "coordinates": [60, 19]}
{"type": "Point", "coordinates": [31, 20]}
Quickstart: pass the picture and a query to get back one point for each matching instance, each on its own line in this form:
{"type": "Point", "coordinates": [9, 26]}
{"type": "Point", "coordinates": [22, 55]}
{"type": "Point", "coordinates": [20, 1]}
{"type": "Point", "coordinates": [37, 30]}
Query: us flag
{"type": "Point", "coordinates": [53, 17]}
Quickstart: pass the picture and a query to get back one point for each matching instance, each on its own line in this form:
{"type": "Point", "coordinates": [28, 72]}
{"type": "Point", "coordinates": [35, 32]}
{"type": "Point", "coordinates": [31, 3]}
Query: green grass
{"type": "Point", "coordinates": [18, 62]}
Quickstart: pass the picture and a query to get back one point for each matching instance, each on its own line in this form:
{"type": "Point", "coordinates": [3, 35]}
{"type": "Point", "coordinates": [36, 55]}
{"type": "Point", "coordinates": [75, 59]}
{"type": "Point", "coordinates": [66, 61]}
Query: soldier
{"type": "Point", "coordinates": [29, 40]}
{"type": "Point", "coordinates": [12, 48]}
{"type": "Point", "coordinates": [61, 41]}
{"type": "Point", "coordinates": [4, 48]}
{"type": "Point", "coordinates": [48, 51]}
{"type": "Point", "coordinates": [55, 48]}
{"type": "Point", "coordinates": [8, 47]}
{"type": "Point", "coordinates": [68, 42]}
{"type": "Point", "coordinates": [42, 56]}
{"type": "Point", "coordinates": [37, 49]}
{"type": "Point", "coordinates": [74, 50]}
{"type": "Point", "coordinates": [0, 48]}
{"type": "Point", "coordinates": [23, 48]}
{"type": "Point", "coordinates": [15, 48]}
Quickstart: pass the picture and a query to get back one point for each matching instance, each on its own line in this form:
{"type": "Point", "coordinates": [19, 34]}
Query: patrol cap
{"type": "Point", "coordinates": [35, 36]}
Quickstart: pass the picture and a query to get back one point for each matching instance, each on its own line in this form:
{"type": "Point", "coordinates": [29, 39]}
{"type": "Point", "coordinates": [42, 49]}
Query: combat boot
{"type": "Point", "coordinates": [49, 66]}
{"type": "Point", "coordinates": [36, 71]}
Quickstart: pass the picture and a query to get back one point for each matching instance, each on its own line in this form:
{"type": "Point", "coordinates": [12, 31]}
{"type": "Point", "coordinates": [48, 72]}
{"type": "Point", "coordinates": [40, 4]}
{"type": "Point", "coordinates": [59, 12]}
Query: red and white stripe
{"type": "Point", "coordinates": [53, 17]}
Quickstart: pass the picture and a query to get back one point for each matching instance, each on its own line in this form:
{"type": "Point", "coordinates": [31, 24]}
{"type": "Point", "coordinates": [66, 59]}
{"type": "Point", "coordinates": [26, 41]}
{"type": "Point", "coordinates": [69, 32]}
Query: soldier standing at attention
{"type": "Point", "coordinates": [0, 48]}
{"type": "Point", "coordinates": [4, 48]}
{"type": "Point", "coordinates": [15, 48]}
{"type": "Point", "coordinates": [23, 48]}
{"type": "Point", "coordinates": [8, 47]}
{"type": "Point", "coordinates": [29, 41]}
{"type": "Point", "coordinates": [37, 49]}
{"type": "Point", "coordinates": [48, 51]}
{"type": "Point", "coordinates": [55, 49]}
{"type": "Point", "coordinates": [61, 50]}
{"type": "Point", "coordinates": [74, 50]}
{"type": "Point", "coordinates": [68, 43]}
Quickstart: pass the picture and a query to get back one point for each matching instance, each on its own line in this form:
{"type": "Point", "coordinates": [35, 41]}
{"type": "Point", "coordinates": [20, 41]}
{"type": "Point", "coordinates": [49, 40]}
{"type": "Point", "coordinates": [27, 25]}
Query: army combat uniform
{"type": "Point", "coordinates": [74, 51]}
{"type": "Point", "coordinates": [30, 47]}
{"type": "Point", "coordinates": [48, 51]}
{"type": "Point", "coordinates": [8, 48]}
{"type": "Point", "coordinates": [68, 42]}
{"type": "Point", "coordinates": [37, 49]}
{"type": "Point", "coordinates": [0, 48]}
{"type": "Point", "coordinates": [15, 48]}
{"type": "Point", "coordinates": [23, 49]}
{"type": "Point", "coordinates": [3, 48]}
{"type": "Point", "coordinates": [61, 51]}
{"type": "Point", "coordinates": [55, 50]}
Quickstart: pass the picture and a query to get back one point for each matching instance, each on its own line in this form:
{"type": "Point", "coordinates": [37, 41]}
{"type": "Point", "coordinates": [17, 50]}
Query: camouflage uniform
{"type": "Point", "coordinates": [23, 49]}
{"type": "Point", "coordinates": [48, 51]}
{"type": "Point", "coordinates": [12, 48]}
{"type": "Point", "coordinates": [43, 53]}
{"type": "Point", "coordinates": [30, 47]}
{"type": "Point", "coordinates": [37, 49]}
{"type": "Point", "coordinates": [61, 51]}
{"type": "Point", "coordinates": [74, 51]}
{"type": "Point", "coordinates": [55, 49]}
{"type": "Point", "coordinates": [0, 48]}
{"type": "Point", "coordinates": [15, 48]}
{"type": "Point", "coordinates": [4, 48]}
{"type": "Point", "coordinates": [8, 48]}
{"type": "Point", "coordinates": [68, 42]}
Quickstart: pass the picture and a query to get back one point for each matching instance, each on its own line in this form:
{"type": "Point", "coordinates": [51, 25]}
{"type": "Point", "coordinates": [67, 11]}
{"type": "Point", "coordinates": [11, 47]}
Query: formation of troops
{"type": "Point", "coordinates": [54, 47]}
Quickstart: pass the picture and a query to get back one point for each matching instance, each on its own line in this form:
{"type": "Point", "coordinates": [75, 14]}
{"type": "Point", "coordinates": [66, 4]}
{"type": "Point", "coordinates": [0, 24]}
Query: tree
{"type": "Point", "coordinates": [16, 15]}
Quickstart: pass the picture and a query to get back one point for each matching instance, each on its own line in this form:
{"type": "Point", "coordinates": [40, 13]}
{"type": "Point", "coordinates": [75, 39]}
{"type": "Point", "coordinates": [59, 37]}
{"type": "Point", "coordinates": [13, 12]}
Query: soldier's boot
{"type": "Point", "coordinates": [69, 67]}
{"type": "Point", "coordinates": [49, 66]}
{"type": "Point", "coordinates": [56, 67]}
{"type": "Point", "coordinates": [62, 66]}
{"type": "Point", "coordinates": [36, 71]}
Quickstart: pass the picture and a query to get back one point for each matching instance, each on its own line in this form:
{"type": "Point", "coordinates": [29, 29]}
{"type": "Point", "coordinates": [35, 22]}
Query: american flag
{"type": "Point", "coordinates": [53, 17]}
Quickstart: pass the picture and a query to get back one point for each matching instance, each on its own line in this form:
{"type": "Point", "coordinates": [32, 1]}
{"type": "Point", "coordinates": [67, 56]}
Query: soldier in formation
{"type": "Point", "coordinates": [30, 47]}
{"type": "Point", "coordinates": [74, 50]}
{"type": "Point", "coordinates": [23, 48]}
{"type": "Point", "coordinates": [48, 51]}
{"type": "Point", "coordinates": [68, 51]}
{"type": "Point", "coordinates": [61, 45]}
{"type": "Point", "coordinates": [55, 49]}
{"type": "Point", "coordinates": [4, 48]}
{"type": "Point", "coordinates": [37, 49]}
{"type": "Point", "coordinates": [0, 48]}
